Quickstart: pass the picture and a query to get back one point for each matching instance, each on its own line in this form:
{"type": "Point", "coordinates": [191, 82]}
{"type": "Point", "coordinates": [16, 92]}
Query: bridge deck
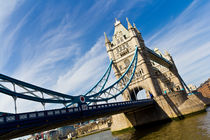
{"type": "Point", "coordinates": [16, 125]}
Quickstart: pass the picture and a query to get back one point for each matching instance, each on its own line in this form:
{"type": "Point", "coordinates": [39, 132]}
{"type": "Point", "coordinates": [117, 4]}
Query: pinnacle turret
{"type": "Point", "coordinates": [129, 24]}
{"type": "Point", "coordinates": [166, 53]}
{"type": "Point", "coordinates": [116, 22]}
{"type": "Point", "coordinates": [106, 38]}
{"type": "Point", "coordinates": [134, 25]}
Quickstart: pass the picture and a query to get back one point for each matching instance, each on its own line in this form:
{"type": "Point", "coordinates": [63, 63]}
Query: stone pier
{"type": "Point", "coordinates": [170, 106]}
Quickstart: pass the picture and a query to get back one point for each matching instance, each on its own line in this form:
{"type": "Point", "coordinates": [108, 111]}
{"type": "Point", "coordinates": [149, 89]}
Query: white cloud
{"type": "Point", "coordinates": [39, 60]}
{"type": "Point", "coordinates": [186, 37]}
{"type": "Point", "coordinates": [6, 38]}
{"type": "Point", "coordinates": [6, 9]}
{"type": "Point", "coordinates": [86, 70]}
{"type": "Point", "coordinates": [45, 62]}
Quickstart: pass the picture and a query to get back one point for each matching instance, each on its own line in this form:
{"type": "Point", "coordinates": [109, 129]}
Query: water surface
{"type": "Point", "coordinates": [196, 127]}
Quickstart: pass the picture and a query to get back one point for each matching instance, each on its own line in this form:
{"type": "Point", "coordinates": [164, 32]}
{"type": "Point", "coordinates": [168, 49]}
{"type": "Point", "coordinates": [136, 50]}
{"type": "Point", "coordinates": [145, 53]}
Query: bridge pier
{"type": "Point", "coordinates": [169, 106]}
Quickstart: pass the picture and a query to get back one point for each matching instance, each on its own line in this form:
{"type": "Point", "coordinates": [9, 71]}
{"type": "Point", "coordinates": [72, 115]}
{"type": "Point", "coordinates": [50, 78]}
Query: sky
{"type": "Point", "coordinates": [59, 45]}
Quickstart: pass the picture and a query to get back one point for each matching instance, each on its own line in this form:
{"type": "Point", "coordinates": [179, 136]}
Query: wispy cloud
{"type": "Point", "coordinates": [42, 57]}
{"type": "Point", "coordinates": [86, 70]}
{"type": "Point", "coordinates": [186, 38]}
{"type": "Point", "coordinates": [6, 38]}
{"type": "Point", "coordinates": [58, 54]}
{"type": "Point", "coordinates": [54, 58]}
{"type": "Point", "coordinates": [7, 9]}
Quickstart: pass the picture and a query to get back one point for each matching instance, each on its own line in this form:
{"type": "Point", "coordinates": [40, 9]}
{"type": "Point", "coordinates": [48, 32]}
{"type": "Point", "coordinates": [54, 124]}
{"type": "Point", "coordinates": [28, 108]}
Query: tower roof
{"type": "Point", "coordinates": [117, 22]}
{"type": "Point", "coordinates": [166, 53]}
{"type": "Point", "coordinates": [129, 24]}
{"type": "Point", "coordinates": [106, 38]}
{"type": "Point", "coordinates": [134, 25]}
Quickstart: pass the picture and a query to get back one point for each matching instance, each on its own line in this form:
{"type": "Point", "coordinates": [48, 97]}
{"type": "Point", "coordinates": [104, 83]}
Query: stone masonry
{"type": "Point", "coordinates": [153, 75]}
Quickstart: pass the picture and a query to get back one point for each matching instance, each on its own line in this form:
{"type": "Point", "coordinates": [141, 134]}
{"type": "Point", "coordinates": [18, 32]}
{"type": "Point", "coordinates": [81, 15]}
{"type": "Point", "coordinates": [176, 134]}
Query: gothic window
{"type": "Point", "coordinates": [137, 74]}
{"type": "Point", "coordinates": [117, 49]}
{"type": "Point", "coordinates": [127, 62]}
{"type": "Point", "coordinates": [120, 48]}
{"type": "Point", "coordinates": [126, 45]}
{"type": "Point", "coordinates": [142, 71]}
{"type": "Point", "coordinates": [169, 78]}
{"type": "Point", "coordinates": [112, 45]}
{"type": "Point", "coordinates": [118, 41]}
{"type": "Point", "coordinates": [120, 67]}
{"type": "Point", "coordinates": [124, 36]}
{"type": "Point", "coordinates": [121, 39]}
{"type": "Point", "coordinates": [177, 88]}
{"type": "Point", "coordinates": [123, 47]}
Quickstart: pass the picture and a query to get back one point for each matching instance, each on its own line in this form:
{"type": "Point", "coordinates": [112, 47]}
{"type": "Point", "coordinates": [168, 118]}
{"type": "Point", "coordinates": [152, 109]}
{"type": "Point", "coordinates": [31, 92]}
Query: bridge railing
{"type": "Point", "coordinates": [66, 111]}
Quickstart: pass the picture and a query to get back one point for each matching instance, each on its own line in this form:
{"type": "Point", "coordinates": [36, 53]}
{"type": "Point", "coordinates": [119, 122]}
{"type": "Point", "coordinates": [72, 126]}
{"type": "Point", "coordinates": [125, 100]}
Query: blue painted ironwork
{"type": "Point", "coordinates": [20, 89]}
{"type": "Point", "coordinates": [184, 83]}
{"type": "Point", "coordinates": [96, 94]}
{"type": "Point", "coordinates": [118, 83]}
{"type": "Point", "coordinates": [36, 99]}
{"type": "Point", "coordinates": [30, 86]}
{"type": "Point", "coordinates": [99, 85]}
{"type": "Point", "coordinates": [105, 76]}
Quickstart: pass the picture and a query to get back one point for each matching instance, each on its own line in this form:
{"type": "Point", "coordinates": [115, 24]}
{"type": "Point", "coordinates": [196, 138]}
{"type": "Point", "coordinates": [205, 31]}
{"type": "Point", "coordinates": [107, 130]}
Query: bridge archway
{"type": "Point", "coordinates": [142, 94]}
{"type": "Point", "coordinates": [136, 93]}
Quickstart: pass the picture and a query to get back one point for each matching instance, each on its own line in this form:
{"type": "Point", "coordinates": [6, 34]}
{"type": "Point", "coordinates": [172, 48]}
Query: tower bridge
{"type": "Point", "coordinates": [135, 66]}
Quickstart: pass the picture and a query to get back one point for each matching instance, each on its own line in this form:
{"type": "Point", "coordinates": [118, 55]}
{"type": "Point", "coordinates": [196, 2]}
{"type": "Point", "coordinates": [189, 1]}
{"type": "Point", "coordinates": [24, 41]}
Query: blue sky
{"type": "Point", "coordinates": [60, 44]}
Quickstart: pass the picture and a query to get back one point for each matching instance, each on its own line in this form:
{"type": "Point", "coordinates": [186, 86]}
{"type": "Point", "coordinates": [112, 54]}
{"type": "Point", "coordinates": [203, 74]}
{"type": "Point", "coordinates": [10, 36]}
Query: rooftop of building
{"type": "Point", "coordinates": [202, 84]}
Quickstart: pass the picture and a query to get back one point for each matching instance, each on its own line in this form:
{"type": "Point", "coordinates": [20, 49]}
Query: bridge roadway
{"type": "Point", "coordinates": [16, 125]}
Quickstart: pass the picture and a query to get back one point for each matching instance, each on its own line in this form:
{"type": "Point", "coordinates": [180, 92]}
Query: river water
{"type": "Point", "coordinates": [196, 127]}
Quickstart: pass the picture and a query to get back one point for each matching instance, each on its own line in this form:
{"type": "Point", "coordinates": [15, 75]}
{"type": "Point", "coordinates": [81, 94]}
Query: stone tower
{"type": "Point", "coordinates": [150, 74]}
{"type": "Point", "coordinates": [155, 72]}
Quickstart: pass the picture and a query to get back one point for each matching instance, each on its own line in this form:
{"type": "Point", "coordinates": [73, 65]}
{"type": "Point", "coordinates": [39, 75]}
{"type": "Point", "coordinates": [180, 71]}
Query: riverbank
{"type": "Point", "coordinates": [91, 133]}
{"type": "Point", "coordinates": [192, 127]}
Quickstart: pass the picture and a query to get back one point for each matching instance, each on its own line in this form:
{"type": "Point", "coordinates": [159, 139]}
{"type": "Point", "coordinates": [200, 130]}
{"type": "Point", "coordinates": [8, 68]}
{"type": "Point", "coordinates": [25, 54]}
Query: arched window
{"type": "Point", "coordinates": [124, 36]}
{"type": "Point", "coordinates": [121, 39]}
{"type": "Point", "coordinates": [118, 41]}
{"type": "Point", "coordinates": [126, 45]}
{"type": "Point", "coordinates": [127, 62]}
{"type": "Point", "coordinates": [120, 67]}
{"type": "Point", "coordinates": [142, 71]}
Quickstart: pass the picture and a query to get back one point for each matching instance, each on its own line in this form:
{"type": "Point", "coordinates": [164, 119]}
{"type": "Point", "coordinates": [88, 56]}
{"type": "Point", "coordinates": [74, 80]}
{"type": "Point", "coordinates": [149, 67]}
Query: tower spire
{"type": "Point", "coordinates": [134, 25]}
{"type": "Point", "coordinates": [129, 24]}
{"type": "Point", "coordinates": [116, 22]}
{"type": "Point", "coordinates": [106, 38]}
{"type": "Point", "coordinates": [166, 53]}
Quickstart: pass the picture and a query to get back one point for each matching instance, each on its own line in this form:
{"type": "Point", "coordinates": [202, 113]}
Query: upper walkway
{"type": "Point", "coordinates": [158, 58]}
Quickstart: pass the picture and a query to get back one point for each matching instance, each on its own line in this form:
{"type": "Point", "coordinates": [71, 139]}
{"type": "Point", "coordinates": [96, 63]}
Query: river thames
{"type": "Point", "coordinates": [195, 127]}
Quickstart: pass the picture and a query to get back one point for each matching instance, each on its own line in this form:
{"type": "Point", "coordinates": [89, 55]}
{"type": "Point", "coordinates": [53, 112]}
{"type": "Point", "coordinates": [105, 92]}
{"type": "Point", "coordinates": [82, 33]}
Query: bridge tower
{"type": "Point", "coordinates": [150, 74]}
{"type": "Point", "coordinates": [155, 72]}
